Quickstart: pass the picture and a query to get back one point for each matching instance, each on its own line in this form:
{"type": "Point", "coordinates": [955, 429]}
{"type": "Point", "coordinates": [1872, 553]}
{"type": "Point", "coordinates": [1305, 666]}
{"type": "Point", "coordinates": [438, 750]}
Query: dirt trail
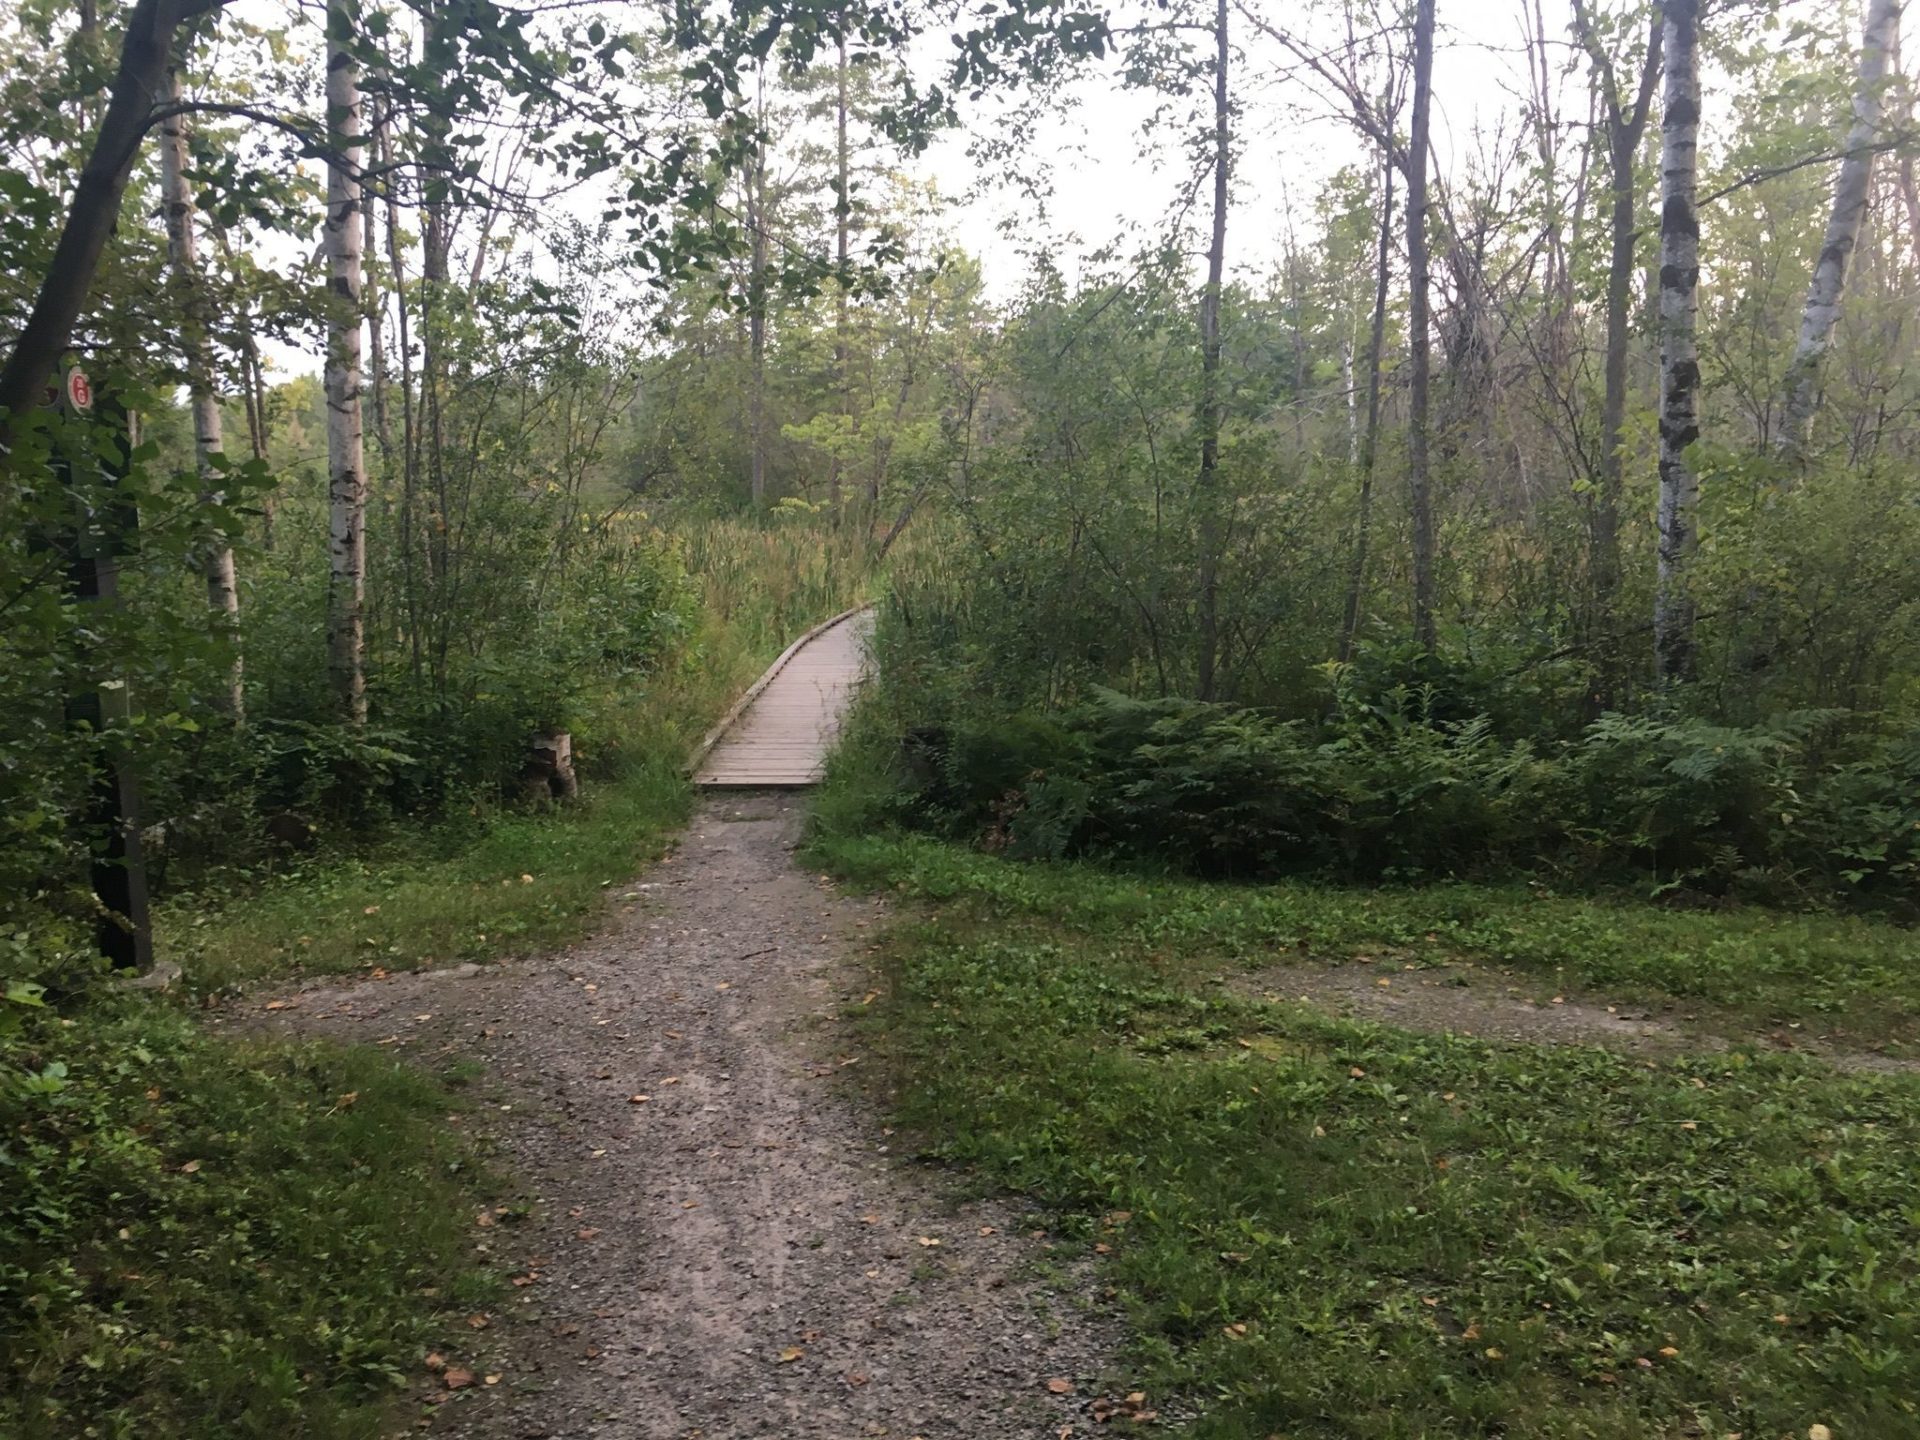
{"type": "Point", "coordinates": [1478, 1002]}
{"type": "Point", "coordinates": [737, 1254]}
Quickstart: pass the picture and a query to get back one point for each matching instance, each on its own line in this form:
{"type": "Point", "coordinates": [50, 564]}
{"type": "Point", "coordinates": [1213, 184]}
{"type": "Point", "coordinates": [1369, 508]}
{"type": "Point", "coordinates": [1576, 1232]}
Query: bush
{"type": "Point", "coordinates": [1395, 791]}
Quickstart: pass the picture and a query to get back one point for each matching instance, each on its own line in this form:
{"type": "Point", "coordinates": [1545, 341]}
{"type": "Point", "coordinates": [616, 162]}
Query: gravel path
{"type": "Point", "coordinates": [720, 1243]}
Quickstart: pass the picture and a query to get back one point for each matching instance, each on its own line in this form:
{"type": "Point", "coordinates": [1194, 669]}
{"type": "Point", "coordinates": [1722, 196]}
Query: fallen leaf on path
{"type": "Point", "coordinates": [928, 1240]}
{"type": "Point", "coordinates": [856, 1380]}
{"type": "Point", "coordinates": [586, 1234]}
{"type": "Point", "coordinates": [436, 1361]}
{"type": "Point", "coordinates": [493, 1379]}
{"type": "Point", "coordinates": [791, 1354]}
{"type": "Point", "coordinates": [192, 1167]}
{"type": "Point", "coordinates": [478, 1322]}
{"type": "Point", "coordinates": [457, 1379]}
{"type": "Point", "coordinates": [281, 1004]}
{"type": "Point", "coordinates": [638, 1099]}
{"type": "Point", "coordinates": [1060, 1386]}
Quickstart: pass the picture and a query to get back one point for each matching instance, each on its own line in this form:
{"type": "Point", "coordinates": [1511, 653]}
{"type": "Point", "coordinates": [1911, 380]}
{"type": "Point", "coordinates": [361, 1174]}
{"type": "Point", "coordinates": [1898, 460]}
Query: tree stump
{"type": "Point", "coordinates": [548, 774]}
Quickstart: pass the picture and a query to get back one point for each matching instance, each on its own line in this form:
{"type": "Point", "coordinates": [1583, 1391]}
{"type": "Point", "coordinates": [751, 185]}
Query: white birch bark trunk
{"type": "Point", "coordinates": [209, 443]}
{"type": "Point", "coordinates": [1800, 392]}
{"type": "Point", "coordinates": [346, 465]}
{"type": "Point", "coordinates": [1673, 611]}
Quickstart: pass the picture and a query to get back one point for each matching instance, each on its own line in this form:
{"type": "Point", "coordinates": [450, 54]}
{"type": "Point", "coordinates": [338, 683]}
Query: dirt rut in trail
{"type": "Point", "coordinates": [1476, 1001]}
{"type": "Point", "coordinates": [737, 1253]}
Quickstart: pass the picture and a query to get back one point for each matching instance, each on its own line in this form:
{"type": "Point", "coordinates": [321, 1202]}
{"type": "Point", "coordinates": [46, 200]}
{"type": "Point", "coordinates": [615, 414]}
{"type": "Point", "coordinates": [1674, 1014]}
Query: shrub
{"type": "Point", "coordinates": [1395, 791]}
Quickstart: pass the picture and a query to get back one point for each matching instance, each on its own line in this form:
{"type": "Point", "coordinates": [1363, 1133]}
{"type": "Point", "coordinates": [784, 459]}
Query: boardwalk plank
{"type": "Point", "coordinates": [781, 739]}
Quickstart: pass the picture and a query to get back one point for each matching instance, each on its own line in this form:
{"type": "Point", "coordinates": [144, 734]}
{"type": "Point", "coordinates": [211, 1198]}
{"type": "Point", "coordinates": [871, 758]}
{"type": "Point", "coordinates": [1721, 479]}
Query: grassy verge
{"type": "Point", "coordinates": [202, 1236]}
{"type": "Point", "coordinates": [509, 884]}
{"type": "Point", "coordinates": [1326, 1229]}
{"type": "Point", "coordinates": [1845, 975]}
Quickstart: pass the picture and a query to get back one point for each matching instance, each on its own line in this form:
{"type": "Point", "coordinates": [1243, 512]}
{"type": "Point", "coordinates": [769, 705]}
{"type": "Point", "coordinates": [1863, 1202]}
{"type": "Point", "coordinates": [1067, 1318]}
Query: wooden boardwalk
{"type": "Point", "coordinates": [777, 736]}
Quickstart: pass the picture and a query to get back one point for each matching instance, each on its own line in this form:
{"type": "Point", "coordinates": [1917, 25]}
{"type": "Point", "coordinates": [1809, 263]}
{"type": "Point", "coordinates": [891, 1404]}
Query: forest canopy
{"type": "Point", "coordinates": [1450, 468]}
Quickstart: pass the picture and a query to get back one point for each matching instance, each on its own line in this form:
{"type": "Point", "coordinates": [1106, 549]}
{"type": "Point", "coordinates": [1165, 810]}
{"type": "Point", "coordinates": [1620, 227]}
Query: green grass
{"type": "Point", "coordinates": [203, 1236]}
{"type": "Point", "coordinates": [1751, 967]}
{"type": "Point", "coordinates": [1423, 1237]}
{"type": "Point", "coordinates": [514, 885]}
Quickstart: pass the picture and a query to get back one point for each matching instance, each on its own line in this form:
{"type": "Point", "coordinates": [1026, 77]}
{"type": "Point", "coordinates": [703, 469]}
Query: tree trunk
{"type": "Point", "coordinates": [409, 421]}
{"type": "Point", "coordinates": [346, 463]}
{"type": "Point", "coordinates": [253, 385]}
{"type": "Point", "coordinates": [374, 304]}
{"type": "Point", "coordinates": [1801, 389]}
{"type": "Point", "coordinates": [145, 51]}
{"type": "Point", "coordinates": [1626, 124]}
{"type": "Point", "coordinates": [1673, 612]}
{"type": "Point", "coordinates": [1419, 479]}
{"type": "Point", "coordinates": [756, 179]}
{"type": "Point", "coordinates": [843, 215]}
{"type": "Point", "coordinates": [1208, 489]}
{"type": "Point", "coordinates": [1370, 437]}
{"type": "Point", "coordinates": [209, 443]}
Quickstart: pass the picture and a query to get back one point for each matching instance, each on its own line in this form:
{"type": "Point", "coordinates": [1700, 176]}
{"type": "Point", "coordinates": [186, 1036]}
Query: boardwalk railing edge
{"type": "Point", "coordinates": [752, 692]}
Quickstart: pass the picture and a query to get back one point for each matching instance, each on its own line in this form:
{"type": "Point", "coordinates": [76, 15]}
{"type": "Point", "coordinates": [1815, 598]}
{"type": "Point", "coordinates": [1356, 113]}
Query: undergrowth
{"type": "Point", "coordinates": [1326, 1230]}
{"type": "Point", "coordinates": [212, 1236]}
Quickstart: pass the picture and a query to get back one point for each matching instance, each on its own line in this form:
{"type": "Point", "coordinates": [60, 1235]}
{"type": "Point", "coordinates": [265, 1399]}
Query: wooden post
{"type": "Point", "coordinates": [111, 819]}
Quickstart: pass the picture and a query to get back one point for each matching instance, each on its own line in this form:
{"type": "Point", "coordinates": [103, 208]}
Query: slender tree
{"type": "Point", "coordinates": [1850, 196]}
{"type": "Point", "coordinates": [755, 181]}
{"type": "Point", "coordinates": [1208, 490]}
{"type": "Point", "coordinates": [842, 222]}
{"type": "Point", "coordinates": [1624, 118]}
{"type": "Point", "coordinates": [146, 49]}
{"type": "Point", "coordinates": [1370, 435]}
{"type": "Point", "coordinates": [342, 237]}
{"type": "Point", "coordinates": [209, 443]}
{"type": "Point", "coordinates": [1673, 614]}
{"type": "Point", "coordinates": [1419, 478]}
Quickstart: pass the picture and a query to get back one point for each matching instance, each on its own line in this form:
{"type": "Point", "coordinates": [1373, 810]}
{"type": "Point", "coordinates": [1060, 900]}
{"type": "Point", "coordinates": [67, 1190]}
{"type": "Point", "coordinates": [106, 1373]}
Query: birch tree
{"type": "Point", "coordinates": [209, 443]}
{"type": "Point", "coordinates": [1673, 613]}
{"type": "Point", "coordinates": [1419, 284]}
{"type": "Point", "coordinates": [346, 465]}
{"type": "Point", "coordinates": [1850, 196]}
